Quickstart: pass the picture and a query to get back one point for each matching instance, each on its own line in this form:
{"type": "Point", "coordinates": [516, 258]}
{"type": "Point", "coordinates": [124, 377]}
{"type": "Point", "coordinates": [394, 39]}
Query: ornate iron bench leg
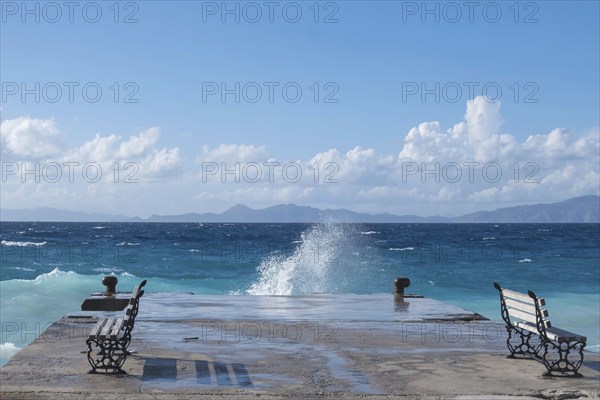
{"type": "Point", "coordinates": [106, 355]}
{"type": "Point", "coordinates": [570, 358]}
{"type": "Point", "coordinates": [523, 347]}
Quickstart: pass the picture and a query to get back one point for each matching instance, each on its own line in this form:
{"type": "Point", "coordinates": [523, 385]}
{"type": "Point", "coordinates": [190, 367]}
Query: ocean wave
{"type": "Point", "coordinates": [369, 233]}
{"type": "Point", "coordinates": [525, 260]}
{"type": "Point", "coordinates": [98, 227]}
{"type": "Point", "coordinates": [488, 238]}
{"type": "Point", "coordinates": [401, 248]}
{"type": "Point", "coordinates": [127, 244]}
{"type": "Point", "coordinates": [310, 269]}
{"type": "Point", "coordinates": [593, 349]}
{"type": "Point", "coordinates": [107, 270]}
{"type": "Point", "coordinates": [22, 244]}
{"type": "Point", "coordinates": [66, 278]}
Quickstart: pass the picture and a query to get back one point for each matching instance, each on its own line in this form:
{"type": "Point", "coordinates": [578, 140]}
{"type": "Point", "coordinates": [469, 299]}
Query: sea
{"type": "Point", "coordinates": [48, 268]}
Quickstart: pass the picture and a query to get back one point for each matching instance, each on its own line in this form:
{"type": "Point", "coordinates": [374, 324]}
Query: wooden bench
{"type": "Point", "coordinates": [109, 339]}
{"type": "Point", "coordinates": [560, 351]}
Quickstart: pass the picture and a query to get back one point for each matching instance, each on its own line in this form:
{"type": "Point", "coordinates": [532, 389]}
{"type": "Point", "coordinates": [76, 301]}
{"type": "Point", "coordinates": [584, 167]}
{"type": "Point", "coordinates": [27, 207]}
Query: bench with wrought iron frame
{"type": "Point", "coordinates": [560, 351]}
{"type": "Point", "coordinates": [109, 339]}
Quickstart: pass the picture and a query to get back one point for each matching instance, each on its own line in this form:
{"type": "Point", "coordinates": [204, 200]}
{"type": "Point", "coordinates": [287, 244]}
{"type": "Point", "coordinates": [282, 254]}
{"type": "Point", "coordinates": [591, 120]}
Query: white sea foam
{"type": "Point", "coordinates": [368, 233]}
{"type": "Point", "coordinates": [107, 270]}
{"type": "Point", "coordinates": [525, 260]}
{"type": "Point", "coordinates": [127, 244]}
{"type": "Point", "coordinates": [21, 244]}
{"type": "Point", "coordinates": [401, 248]}
{"type": "Point", "coordinates": [310, 269]}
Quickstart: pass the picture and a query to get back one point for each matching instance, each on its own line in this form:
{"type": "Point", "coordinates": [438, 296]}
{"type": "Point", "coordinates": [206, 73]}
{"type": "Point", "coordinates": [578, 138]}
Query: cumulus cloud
{"type": "Point", "coordinates": [233, 153]}
{"type": "Point", "coordinates": [34, 143]}
{"type": "Point", "coordinates": [30, 137]}
{"type": "Point", "coordinates": [160, 164]}
{"type": "Point", "coordinates": [138, 145]}
{"type": "Point", "coordinates": [544, 167]}
{"type": "Point", "coordinates": [476, 138]}
{"type": "Point", "coordinates": [98, 149]}
{"type": "Point", "coordinates": [435, 171]}
{"type": "Point", "coordinates": [466, 166]}
{"type": "Point", "coordinates": [113, 147]}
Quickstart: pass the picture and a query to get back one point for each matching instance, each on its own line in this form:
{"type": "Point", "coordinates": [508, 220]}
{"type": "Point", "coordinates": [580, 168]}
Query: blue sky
{"type": "Point", "coordinates": [370, 58]}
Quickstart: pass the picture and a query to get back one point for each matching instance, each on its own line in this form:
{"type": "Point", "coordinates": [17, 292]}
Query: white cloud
{"type": "Point", "coordinates": [161, 163]}
{"type": "Point", "coordinates": [471, 162]}
{"type": "Point", "coordinates": [30, 137]}
{"type": "Point", "coordinates": [234, 153]}
{"type": "Point", "coordinates": [471, 165]}
{"type": "Point", "coordinates": [476, 138]}
{"type": "Point", "coordinates": [99, 149]}
{"type": "Point", "coordinates": [114, 148]}
{"type": "Point", "coordinates": [138, 145]}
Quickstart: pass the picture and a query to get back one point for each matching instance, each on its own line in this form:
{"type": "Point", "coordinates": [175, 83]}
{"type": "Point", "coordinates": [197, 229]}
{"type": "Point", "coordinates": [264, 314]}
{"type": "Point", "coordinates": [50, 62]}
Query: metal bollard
{"type": "Point", "coordinates": [111, 285]}
{"type": "Point", "coordinates": [401, 284]}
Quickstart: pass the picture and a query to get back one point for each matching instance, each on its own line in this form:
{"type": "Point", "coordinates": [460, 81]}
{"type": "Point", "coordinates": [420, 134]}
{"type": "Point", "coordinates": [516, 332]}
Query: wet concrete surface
{"type": "Point", "coordinates": [324, 346]}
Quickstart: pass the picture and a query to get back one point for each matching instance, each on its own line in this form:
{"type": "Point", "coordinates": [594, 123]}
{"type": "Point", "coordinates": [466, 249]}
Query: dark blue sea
{"type": "Point", "coordinates": [47, 269]}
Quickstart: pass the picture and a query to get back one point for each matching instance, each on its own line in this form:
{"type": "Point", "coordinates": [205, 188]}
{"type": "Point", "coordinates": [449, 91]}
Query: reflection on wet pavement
{"type": "Point", "coordinates": [170, 370]}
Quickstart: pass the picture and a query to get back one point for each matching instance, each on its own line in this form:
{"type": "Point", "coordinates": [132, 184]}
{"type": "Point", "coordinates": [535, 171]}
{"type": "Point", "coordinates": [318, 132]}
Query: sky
{"type": "Point", "coordinates": [427, 108]}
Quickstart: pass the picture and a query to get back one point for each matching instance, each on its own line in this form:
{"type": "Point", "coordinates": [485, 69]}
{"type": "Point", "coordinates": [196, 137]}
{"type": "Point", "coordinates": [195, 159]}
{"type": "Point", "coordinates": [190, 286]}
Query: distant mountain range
{"type": "Point", "coordinates": [583, 209]}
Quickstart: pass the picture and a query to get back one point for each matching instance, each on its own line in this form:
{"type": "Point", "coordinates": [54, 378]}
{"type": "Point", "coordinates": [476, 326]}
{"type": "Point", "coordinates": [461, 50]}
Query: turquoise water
{"type": "Point", "coordinates": [47, 269]}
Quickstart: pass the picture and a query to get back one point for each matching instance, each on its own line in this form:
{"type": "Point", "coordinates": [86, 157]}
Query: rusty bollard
{"type": "Point", "coordinates": [399, 304]}
{"type": "Point", "coordinates": [401, 284]}
{"type": "Point", "coordinates": [111, 284]}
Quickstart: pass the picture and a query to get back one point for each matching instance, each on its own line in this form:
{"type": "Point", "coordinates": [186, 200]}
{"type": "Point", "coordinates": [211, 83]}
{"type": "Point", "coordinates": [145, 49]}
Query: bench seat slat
{"type": "Point", "coordinates": [116, 328]}
{"type": "Point", "coordinates": [97, 328]}
{"type": "Point", "coordinates": [560, 335]}
{"type": "Point", "coordinates": [555, 334]}
{"type": "Point", "coordinates": [526, 325]}
{"type": "Point", "coordinates": [107, 328]}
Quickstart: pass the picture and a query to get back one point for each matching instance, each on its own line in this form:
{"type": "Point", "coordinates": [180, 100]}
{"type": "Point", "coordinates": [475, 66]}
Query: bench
{"type": "Point", "coordinates": [560, 351]}
{"type": "Point", "coordinates": [109, 339]}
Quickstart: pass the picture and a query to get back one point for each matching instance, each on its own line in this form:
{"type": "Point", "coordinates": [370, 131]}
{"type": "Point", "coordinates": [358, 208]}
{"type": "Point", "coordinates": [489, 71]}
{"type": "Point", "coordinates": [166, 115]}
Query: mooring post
{"type": "Point", "coordinates": [109, 300]}
{"type": "Point", "coordinates": [401, 284]}
{"type": "Point", "coordinates": [111, 284]}
{"type": "Point", "coordinates": [399, 304]}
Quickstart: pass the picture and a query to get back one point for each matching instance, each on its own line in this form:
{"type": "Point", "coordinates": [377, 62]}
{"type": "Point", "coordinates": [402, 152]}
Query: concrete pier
{"type": "Point", "coordinates": [321, 346]}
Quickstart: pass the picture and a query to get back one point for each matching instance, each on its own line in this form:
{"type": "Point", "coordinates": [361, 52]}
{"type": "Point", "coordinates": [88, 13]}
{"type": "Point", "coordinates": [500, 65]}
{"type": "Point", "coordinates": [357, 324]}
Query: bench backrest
{"type": "Point", "coordinates": [524, 307]}
{"type": "Point", "coordinates": [132, 308]}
